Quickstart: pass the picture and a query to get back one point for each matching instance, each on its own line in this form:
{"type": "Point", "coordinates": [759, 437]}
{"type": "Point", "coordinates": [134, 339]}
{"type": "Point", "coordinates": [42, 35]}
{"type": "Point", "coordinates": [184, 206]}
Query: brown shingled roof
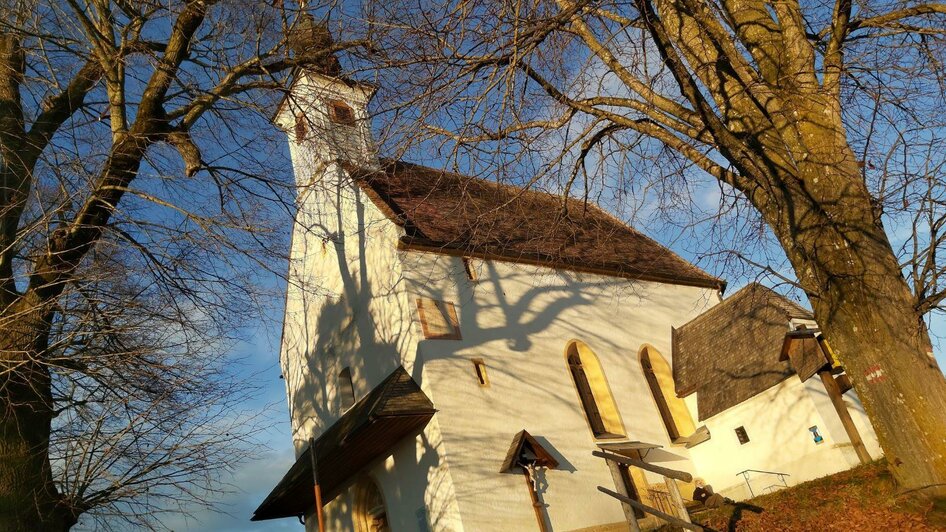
{"type": "Point", "coordinates": [456, 214]}
{"type": "Point", "coordinates": [731, 352]}
{"type": "Point", "coordinates": [393, 410]}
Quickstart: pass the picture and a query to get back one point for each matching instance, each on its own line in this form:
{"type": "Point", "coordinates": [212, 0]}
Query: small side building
{"type": "Point", "coordinates": [759, 375]}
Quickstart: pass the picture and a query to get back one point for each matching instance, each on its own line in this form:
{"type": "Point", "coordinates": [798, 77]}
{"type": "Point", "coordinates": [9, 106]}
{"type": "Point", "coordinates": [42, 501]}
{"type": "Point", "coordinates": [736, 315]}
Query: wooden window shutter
{"type": "Point", "coordinates": [341, 113]}
{"type": "Point", "coordinates": [587, 397]}
{"type": "Point", "coordinates": [438, 319]}
{"type": "Point", "coordinates": [662, 407]}
{"type": "Point", "coordinates": [301, 128]}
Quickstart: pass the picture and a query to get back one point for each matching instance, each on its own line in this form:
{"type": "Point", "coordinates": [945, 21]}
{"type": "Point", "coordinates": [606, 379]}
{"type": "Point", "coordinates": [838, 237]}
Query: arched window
{"type": "Point", "coordinates": [593, 391]}
{"type": "Point", "coordinates": [346, 389]}
{"type": "Point", "coordinates": [673, 410]}
{"type": "Point", "coordinates": [370, 514]}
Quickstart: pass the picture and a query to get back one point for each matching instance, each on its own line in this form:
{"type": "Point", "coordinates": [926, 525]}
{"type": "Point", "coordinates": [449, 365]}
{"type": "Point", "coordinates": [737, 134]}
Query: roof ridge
{"type": "Point", "coordinates": [738, 295]}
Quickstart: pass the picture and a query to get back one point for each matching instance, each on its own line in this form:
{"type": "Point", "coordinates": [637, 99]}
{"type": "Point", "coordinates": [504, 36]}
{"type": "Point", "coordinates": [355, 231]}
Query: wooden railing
{"type": "Point", "coordinates": [669, 475]}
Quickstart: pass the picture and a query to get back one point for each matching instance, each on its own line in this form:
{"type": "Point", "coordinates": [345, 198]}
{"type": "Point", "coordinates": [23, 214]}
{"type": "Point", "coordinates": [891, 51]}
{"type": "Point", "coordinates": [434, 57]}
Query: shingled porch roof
{"type": "Point", "coordinates": [395, 409]}
{"type": "Point", "coordinates": [732, 352]}
{"type": "Point", "coordinates": [450, 213]}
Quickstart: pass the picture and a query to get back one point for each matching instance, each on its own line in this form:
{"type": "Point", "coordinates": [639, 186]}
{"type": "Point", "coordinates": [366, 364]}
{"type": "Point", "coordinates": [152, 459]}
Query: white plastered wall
{"type": "Point", "coordinates": [519, 319]}
{"type": "Point", "coordinates": [777, 422]}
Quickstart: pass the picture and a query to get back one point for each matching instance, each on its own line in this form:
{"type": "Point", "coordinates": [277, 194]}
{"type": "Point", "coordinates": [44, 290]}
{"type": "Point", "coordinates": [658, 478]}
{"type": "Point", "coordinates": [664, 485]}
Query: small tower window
{"type": "Point", "coordinates": [742, 435]}
{"type": "Point", "coordinates": [341, 113]}
{"type": "Point", "coordinates": [301, 128]}
{"type": "Point", "coordinates": [346, 390]}
{"type": "Point", "coordinates": [480, 368]}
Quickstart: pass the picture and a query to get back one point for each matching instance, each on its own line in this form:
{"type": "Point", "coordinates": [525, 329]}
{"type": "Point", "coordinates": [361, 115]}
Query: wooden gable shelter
{"type": "Point", "coordinates": [526, 454]}
{"type": "Point", "coordinates": [525, 447]}
{"type": "Point", "coordinates": [393, 410]}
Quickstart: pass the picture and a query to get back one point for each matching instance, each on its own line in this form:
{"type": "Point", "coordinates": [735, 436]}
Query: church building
{"type": "Point", "coordinates": [460, 354]}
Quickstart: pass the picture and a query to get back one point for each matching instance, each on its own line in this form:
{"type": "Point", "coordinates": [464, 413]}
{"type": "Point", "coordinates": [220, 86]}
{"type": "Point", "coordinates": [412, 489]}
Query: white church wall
{"type": "Point", "coordinates": [346, 307]}
{"type": "Point", "coordinates": [777, 422]}
{"type": "Point", "coordinates": [835, 429]}
{"type": "Point", "coordinates": [518, 319]}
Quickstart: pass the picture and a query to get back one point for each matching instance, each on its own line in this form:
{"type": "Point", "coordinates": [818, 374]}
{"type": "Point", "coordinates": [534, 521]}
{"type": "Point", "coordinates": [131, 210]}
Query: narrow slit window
{"type": "Point", "coordinates": [469, 268]}
{"type": "Point", "coordinates": [742, 435]}
{"type": "Point", "coordinates": [346, 390]}
{"type": "Point", "coordinates": [340, 113]}
{"type": "Point", "coordinates": [438, 319]}
{"type": "Point", "coordinates": [587, 397]}
{"type": "Point", "coordinates": [301, 128]}
{"type": "Point", "coordinates": [479, 367]}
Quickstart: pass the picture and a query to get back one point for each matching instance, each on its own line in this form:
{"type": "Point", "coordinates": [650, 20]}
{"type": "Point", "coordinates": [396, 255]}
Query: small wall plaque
{"type": "Point", "coordinates": [816, 435]}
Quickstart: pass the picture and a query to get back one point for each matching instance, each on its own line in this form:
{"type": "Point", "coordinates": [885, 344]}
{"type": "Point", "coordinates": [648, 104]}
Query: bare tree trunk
{"type": "Point", "coordinates": [28, 496]}
{"type": "Point", "coordinates": [880, 339]}
{"type": "Point", "coordinates": [834, 238]}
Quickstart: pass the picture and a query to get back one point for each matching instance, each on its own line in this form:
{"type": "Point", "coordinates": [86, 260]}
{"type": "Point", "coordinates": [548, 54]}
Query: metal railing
{"type": "Point", "coordinates": [779, 476]}
{"type": "Point", "coordinates": [660, 499]}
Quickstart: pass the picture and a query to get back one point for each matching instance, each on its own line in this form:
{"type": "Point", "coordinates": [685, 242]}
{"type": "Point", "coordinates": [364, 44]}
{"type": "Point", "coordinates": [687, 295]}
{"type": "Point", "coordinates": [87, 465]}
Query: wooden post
{"type": "Point", "coordinates": [632, 524]}
{"type": "Point", "coordinates": [677, 499]}
{"type": "Point", "coordinates": [834, 393]}
{"type": "Point", "coordinates": [536, 503]}
{"type": "Point", "coordinates": [316, 487]}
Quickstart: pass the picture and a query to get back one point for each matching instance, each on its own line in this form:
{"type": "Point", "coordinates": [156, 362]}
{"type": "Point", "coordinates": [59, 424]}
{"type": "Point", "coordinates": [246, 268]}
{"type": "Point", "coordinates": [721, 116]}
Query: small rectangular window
{"type": "Point", "coordinates": [346, 389]}
{"type": "Point", "coordinates": [340, 113]}
{"type": "Point", "coordinates": [480, 368]}
{"type": "Point", "coordinates": [741, 434]}
{"type": "Point", "coordinates": [438, 319]}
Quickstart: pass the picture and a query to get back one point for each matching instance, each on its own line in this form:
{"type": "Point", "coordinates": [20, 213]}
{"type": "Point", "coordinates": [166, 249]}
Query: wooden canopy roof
{"type": "Point", "coordinates": [805, 351]}
{"type": "Point", "coordinates": [450, 213]}
{"type": "Point", "coordinates": [522, 442]}
{"type": "Point", "coordinates": [393, 410]}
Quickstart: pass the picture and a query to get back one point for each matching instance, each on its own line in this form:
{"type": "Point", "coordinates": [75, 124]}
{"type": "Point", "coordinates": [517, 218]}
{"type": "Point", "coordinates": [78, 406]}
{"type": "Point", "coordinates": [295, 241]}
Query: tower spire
{"type": "Point", "coordinates": [309, 39]}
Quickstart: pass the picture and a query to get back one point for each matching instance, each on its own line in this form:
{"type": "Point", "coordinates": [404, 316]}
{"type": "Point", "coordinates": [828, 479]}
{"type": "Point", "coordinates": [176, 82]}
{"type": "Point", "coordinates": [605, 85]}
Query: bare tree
{"type": "Point", "coordinates": [824, 118]}
{"type": "Point", "coordinates": [136, 205]}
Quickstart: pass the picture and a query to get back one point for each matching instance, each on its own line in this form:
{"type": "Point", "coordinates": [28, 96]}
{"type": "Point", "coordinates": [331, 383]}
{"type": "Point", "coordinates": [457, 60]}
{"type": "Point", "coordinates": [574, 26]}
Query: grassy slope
{"type": "Point", "coordinates": [860, 499]}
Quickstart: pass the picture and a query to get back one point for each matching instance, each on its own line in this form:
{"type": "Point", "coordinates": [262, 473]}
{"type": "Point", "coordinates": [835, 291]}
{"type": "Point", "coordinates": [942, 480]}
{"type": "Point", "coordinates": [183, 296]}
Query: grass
{"type": "Point", "coordinates": [863, 498]}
